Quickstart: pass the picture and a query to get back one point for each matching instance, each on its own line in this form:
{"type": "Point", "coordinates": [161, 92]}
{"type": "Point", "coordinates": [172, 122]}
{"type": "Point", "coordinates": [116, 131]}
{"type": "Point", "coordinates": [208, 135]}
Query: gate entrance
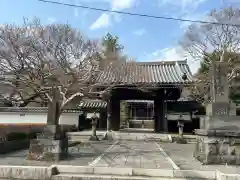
{"type": "Point", "coordinates": [137, 114]}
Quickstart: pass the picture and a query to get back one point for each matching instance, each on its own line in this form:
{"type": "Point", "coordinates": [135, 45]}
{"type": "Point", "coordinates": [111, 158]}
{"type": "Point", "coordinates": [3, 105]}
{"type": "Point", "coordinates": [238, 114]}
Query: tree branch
{"type": "Point", "coordinates": [71, 98]}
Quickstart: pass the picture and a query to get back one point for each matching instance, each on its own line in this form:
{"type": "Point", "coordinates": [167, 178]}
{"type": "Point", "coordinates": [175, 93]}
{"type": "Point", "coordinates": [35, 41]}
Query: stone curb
{"type": "Point", "coordinates": [26, 172]}
{"type": "Point", "coordinates": [45, 173]}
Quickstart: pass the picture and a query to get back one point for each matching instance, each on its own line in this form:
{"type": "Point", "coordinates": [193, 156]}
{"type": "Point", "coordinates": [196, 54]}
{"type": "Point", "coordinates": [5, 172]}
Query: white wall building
{"type": "Point", "coordinates": [36, 116]}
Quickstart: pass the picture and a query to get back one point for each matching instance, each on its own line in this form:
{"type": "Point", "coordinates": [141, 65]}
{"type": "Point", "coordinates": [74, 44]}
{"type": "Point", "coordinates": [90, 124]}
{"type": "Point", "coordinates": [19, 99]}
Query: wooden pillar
{"type": "Point", "coordinates": [102, 119]}
{"type": "Point", "coordinates": [109, 112]}
{"type": "Point", "coordinates": [115, 116]}
{"type": "Point", "coordinates": [159, 117]}
{"type": "Point", "coordinates": [165, 120]}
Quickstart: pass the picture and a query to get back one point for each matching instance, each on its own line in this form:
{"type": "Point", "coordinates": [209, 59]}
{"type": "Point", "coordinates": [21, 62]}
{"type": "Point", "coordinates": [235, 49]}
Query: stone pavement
{"type": "Point", "coordinates": [182, 155]}
{"type": "Point", "coordinates": [134, 154]}
{"type": "Point", "coordinates": [124, 153]}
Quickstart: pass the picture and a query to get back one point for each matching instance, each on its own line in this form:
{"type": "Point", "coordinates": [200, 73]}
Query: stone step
{"type": "Point", "coordinates": [97, 172]}
{"type": "Point", "coordinates": [110, 177]}
{"type": "Point", "coordinates": [78, 138]}
{"type": "Point", "coordinates": [81, 138]}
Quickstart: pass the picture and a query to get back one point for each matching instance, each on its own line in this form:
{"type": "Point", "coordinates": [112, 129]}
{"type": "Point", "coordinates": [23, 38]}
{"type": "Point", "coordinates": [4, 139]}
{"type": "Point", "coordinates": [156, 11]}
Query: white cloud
{"type": "Point", "coordinates": [183, 4]}
{"type": "Point", "coordinates": [140, 32]}
{"type": "Point", "coordinates": [103, 21]}
{"type": "Point", "coordinates": [156, 53]}
{"type": "Point", "coordinates": [186, 9]}
{"type": "Point", "coordinates": [107, 19]}
{"type": "Point", "coordinates": [122, 4]}
{"type": "Point", "coordinates": [51, 20]}
{"type": "Point", "coordinates": [175, 54]}
{"type": "Point", "coordinates": [76, 11]}
{"type": "Point", "coordinates": [117, 17]}
{"type": "Point", "coordinates": [194, 17]}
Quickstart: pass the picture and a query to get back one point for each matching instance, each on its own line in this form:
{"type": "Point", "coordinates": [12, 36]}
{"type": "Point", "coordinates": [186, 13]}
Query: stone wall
{"type": "Point", "coordinates": [218, 150]}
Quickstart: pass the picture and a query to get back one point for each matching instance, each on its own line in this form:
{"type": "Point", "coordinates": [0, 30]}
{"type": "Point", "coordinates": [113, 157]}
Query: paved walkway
{"type": "Point", "coordinates": [134, 154]}
{"type": "Point", "coordinates": [123, 153]}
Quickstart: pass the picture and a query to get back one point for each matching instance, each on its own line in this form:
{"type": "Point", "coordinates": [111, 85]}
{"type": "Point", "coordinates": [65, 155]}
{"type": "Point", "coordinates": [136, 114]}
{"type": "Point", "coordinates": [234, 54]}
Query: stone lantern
{"type": "Point", "coordinates": [180, 126]}
{"type": "Point", "coordinates": [94, 119]}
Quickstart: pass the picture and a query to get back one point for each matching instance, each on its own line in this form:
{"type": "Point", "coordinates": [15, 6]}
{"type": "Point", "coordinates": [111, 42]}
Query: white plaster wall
{"type": "Point", "coordinates": [69, 118]}
{"type": "Point", "coordinates": [38, 118]}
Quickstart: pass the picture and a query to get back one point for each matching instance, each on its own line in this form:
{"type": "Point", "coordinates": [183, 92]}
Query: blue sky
{"type": "Point", "coordinates": [144, 39]}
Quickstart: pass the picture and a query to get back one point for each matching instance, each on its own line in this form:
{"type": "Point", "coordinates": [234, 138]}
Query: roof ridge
{"type": "Point", "coordinates": [161, 62]}
{"type": "Point", "coordinates": [152, 72]}
{"type": "Point", "coordinates": [95, 100]}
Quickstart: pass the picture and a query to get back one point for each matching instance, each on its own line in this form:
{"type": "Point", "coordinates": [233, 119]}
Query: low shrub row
{"type": "Point", "coordinates": [22, 132]}
{"type": "Point", "coordinates": [13, 136]}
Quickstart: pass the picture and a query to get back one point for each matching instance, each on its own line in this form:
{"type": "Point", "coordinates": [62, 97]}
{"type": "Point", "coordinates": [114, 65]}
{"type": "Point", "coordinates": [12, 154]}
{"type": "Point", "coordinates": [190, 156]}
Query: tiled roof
{"type": "Point", "coordinates": [92, 104]}
{"type": "Point", "coordinates": [34, 109]}
{"type": "Point", "coordinates": [163, 72]}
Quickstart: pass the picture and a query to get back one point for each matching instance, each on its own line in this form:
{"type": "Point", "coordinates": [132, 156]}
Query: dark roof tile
{"type": "Point", "coordinates": [163, 72]}
{"type": "Point", "coordinates": [92, 104]}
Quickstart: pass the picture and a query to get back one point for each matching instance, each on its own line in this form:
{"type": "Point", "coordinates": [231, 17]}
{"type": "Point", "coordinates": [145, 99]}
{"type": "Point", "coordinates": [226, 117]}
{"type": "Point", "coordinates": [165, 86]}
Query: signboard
{"type": "Point", "coordinates": [175, 116]}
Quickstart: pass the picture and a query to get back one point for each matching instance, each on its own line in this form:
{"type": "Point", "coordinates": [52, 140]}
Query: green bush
{"type": "Point", "coordinates": [32, 135]}
{"type": "Point", "coordinates": [16, 136]}
{"type": "Point", "coordinates": [21, 136]}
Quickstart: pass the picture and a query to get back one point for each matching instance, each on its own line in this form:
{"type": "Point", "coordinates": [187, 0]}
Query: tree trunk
{"type": "Point", "coordinates": [54, 108]}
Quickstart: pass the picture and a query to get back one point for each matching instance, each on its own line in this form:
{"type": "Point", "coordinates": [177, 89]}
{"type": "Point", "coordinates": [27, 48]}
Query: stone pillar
{"type": "Point", "coordinates": [219, 138]}
{"type": "Point", "coordinates": [159, 115]}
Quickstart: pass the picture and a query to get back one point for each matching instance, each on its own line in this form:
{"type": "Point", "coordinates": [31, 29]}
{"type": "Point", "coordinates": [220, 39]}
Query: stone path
{"type": "Point", "coordinates": [124, 153]}
{"type": "Point", "coordinates": [134, 154]}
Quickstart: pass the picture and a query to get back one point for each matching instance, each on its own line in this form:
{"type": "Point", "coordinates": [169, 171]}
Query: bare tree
{"type": "Point", "coordinates": [214, 42]}
{"type": "Point", "coordinates": [42, 61]}
{"type": "Point", "coordinates": [35, 58]}
{"type": "Point", "coordinates": [15, 49]}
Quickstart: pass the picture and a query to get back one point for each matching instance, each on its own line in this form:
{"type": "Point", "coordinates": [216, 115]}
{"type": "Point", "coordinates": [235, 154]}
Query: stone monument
{"type": "Point", "coordinates": [218, 139]}
{"type": "Point", "coordinates": [52, 143]}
